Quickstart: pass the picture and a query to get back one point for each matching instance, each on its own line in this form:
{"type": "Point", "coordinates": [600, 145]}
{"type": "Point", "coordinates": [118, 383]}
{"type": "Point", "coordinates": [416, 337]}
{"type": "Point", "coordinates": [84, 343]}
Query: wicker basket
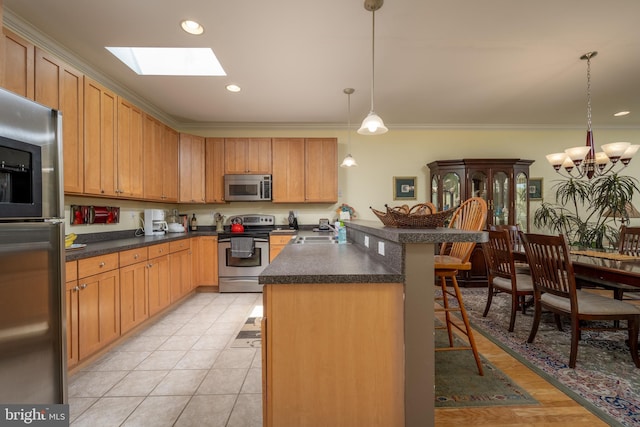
{"type": "Point", "coordinates": [418, 216]}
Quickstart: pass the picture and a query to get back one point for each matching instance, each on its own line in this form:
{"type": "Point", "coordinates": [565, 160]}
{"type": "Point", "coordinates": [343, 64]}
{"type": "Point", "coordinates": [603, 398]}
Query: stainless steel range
{"type": "Point", "coordinates": [242, 255]}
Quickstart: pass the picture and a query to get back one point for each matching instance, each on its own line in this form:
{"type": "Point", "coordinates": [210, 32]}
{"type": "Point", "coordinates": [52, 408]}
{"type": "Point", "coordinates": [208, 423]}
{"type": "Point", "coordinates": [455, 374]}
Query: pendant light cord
{"type": "Point", "coordinates": [373, 54]}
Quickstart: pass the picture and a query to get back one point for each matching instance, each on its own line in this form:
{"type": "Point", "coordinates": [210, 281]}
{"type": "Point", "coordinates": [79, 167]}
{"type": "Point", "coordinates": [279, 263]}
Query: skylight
{"type": "Point", "coordinates": [169, 61]}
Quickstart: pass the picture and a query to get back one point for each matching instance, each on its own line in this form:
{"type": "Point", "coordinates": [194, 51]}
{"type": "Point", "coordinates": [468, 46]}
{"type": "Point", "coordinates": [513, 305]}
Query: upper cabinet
{"type": "Point", "coordinates": [100, 162]}
{"type": "Point", "coordinates": [60, 86]}
{"type": "Point", "coordinates": [192, 167]}
{"type": "Point", "coordinates": [130, 151]}
{"type": "Point", "coordinates": [214, 170]}
{"type": "Point", "coordinates": [502, 183]}
{"type": "Point", "coordinates": [288, 170]}
{"type": "Point", "coordinates": [305, 170]}
{"type": "Point", "coordinates": [17, 64]}
{"type": "Point", "coordinates": [161, 161]}
{"type": "Point", "coordinates": [247, 155]}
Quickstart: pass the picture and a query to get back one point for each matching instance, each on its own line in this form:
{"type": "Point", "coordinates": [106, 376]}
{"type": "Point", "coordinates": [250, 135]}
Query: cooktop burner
{"type": "Point", "coordinates": [255, 225]}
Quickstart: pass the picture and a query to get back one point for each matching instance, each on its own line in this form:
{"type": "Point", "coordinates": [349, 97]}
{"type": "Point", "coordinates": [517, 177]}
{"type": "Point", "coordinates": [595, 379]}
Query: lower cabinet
{"type": "Point", "coordinates": [180, 266]}
{"type": "Point", "coordinates": [98, 312]}
{"type": "Point", "coordinates": [71, 293]}
{"type": "Point", "coordinates": [205, 260]}
{"type": "Point", "coordinates": [134, 295]}
{"type": "Point", "coordinates": [276, 244]}
{"type": "Point", "coordinates": [159, 287]}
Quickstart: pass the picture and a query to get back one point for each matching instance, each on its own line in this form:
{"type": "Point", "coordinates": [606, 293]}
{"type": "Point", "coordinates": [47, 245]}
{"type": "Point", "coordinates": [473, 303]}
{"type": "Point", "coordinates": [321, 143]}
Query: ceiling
{"type": "Point", "coordinates": [437, 62]}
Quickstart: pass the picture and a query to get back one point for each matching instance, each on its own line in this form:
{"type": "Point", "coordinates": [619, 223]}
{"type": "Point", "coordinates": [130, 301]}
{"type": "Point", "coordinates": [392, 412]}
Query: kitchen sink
{"type": "Point", "coordinates": [315, 240]}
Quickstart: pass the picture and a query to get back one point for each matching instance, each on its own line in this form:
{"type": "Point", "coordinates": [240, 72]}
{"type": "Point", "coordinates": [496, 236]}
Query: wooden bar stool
{"type": "Point", "coordinates": [471, 215]}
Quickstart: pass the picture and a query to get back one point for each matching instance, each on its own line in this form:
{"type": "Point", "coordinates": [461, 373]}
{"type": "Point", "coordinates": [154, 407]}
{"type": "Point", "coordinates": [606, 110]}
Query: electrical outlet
{"type": "Point", "coordinates": [366, 241]}
{"type": "Point", "coordinates": [381, 248]}
{"type": "Point", "coordinates": [133, 215]}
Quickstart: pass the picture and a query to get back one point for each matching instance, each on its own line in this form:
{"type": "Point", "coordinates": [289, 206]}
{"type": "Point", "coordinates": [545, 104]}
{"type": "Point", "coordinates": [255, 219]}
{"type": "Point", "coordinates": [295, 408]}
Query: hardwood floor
{"type": "Point", "coordinates": [555, 409]}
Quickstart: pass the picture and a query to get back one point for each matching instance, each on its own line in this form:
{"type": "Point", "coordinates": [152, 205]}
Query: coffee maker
{"type": "Point", "coordinates": [154, 222]}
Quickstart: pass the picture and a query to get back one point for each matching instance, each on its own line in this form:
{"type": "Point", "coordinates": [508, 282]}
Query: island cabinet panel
{"type": "Point", "coordinates": [100, 153]}
{"type": "Point", "coordinates": [214, 170]}
{"type": "Point", "coordinates": [247, 155]}
{"type": "Point", "coordinates": [288, 170]}
{"type": "Point", "coordinates": [276, 244]}
{"type": "Point", "coordinates": [321, 170]}
{"type": "Point", "coordinates": [59, 86]}
{"type": "Point", "coordinates": [322, 353]}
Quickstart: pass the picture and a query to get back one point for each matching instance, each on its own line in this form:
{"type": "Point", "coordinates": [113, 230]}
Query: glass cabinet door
{"type": "Point", "coordinates": [479, 185]}
{"type": "Point", "coordinates": [500, 201]}
{"type": "Point", "coordinates": [521, 202]}
{"type": "Point", "coordinates": [450, 191]}
{"type": "Point", "coordinates": [434, 190]}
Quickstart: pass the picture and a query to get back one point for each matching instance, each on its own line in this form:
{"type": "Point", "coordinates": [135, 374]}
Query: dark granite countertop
{"type": "Point", "coordinates": [327, 263]}
{"type": "Point", "coordinates": [122, 244]}
{"type": "Point", "coordinates": [353, 263]}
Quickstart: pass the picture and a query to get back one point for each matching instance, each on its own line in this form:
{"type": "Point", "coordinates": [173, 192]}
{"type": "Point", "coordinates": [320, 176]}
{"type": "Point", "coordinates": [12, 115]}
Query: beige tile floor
{"type": "Point", "coordinates": [179, 371]}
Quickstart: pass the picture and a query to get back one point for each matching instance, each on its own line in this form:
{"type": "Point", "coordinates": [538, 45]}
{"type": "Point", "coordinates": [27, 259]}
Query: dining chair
{"type": "Point", "coordinates": [514, 234]}
{"type": "Point", "coordinates": [471, 215]}
{"type": "Point", "coordinates": [503, 276]}
{"type": "Point", "coordinates": [555, 289]}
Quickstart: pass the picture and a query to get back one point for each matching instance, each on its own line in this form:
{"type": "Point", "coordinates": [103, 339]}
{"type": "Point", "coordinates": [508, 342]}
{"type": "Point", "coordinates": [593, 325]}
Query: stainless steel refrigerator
{"type": "Point", "coordinates": [32, 329]}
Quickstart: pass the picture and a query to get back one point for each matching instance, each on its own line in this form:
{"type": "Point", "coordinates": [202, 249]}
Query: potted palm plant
{"type": "Point", "coordinates": [588, 212]}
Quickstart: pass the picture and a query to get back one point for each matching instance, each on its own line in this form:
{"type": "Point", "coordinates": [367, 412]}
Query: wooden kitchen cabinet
{"type": "Point", "coordinates": [17, 64]}
{"type": "Point", "coordinates": [158, 278]}
{"type": "Point", "coordinates": [247, 155]}
{"type": "Point", "coordinates": [98, 304]}
{"type": "Point", "coordinates": [71, 292]}
{"type": "Point", "coordinates": [206, 261]}
{"type": "Point", "coordinates": [277, 243]}
{"type": "Point", "coordinates": [100, 154]}
{"type": "Point", "coordinates": [214, 170]}
{"type": "Point", "coordinates": [134, 288]}
{"type": "Point", "coordinates": [191, 169]}
{"type": "Point", "coordinates": [161, 161]}
{"type": "Point", "coordinates": [323, 389]}
{"type": "Point", "coordinates": [321, 170]}
{"type": "Point", "coordinates": [288, 170]}
{"type": "Point", "coordinates": [60, 86]}
{"type": "Point", "coordinates": [130, 151]}
{"type": "Point", "coordinates": [305, 170]}
{"type": "Point", "coordinates": [180, 266]}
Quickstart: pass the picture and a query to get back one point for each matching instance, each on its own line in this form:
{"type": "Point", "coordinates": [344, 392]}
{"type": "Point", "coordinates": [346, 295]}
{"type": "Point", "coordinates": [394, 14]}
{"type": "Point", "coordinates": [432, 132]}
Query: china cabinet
{"type": "Point", "coordinates": [502, 183]}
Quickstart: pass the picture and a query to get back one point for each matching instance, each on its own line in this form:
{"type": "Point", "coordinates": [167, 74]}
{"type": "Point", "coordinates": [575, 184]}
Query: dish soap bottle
{"type": "Point", "coordinates": [194, 223]}
{"type": "Point", "coordinates": [342, 233]}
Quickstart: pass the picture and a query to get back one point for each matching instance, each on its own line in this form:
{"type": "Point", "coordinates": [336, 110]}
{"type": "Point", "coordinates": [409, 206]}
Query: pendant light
{"type": "Point", "coordinates": [372, 124]}
{"type": "Point", "coordinates": [348, 160]}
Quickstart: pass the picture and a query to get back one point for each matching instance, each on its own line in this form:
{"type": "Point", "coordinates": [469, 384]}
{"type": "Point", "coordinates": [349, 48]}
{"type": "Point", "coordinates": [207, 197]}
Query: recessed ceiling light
{"type": "Point", "coordinates": [621, 113]}
{"type": "Point", "coordinates": [192, 27]}
{"type": "Point", "coordinates": [233, 88]}
{"type": "Point", "coordinates": [169, 61]}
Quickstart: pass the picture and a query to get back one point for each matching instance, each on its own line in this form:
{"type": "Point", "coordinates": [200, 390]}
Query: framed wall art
{"type": "Point", "coordinates": [404, 188]}
{"type": "Point", "coordinates": [535, 188]}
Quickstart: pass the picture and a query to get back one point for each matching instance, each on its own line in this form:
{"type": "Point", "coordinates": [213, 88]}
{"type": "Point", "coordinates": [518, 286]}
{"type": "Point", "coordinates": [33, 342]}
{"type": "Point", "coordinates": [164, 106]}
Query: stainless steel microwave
{"type": "Point", "coordinates": [247, 188]}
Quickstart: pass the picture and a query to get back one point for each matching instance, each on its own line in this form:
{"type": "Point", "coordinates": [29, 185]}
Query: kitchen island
{"type": "Point", "coordinates": [348, 329]}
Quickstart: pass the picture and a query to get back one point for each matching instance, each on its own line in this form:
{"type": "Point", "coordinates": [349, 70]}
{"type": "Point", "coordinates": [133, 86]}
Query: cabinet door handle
{"type": "Point", "coordinates": [136, 256]}
{"type": "Point", "coordinates": [76, 288]}
{"type": "Point", "coordinates": [149, 265]}
{"type": "Point", "coordinates": [83, 286]}
{"type": "Point", "coordinates": [101, 264]}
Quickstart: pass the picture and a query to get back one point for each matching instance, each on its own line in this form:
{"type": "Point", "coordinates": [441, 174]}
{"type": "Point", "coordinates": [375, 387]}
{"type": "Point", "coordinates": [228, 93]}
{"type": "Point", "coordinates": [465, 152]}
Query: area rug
{"type": "Point", "coordinates": [250, 334]}
{"type": "Point", "coordinates": [457, 383]}
{"type": "Point", "coordinates": [605, 380]}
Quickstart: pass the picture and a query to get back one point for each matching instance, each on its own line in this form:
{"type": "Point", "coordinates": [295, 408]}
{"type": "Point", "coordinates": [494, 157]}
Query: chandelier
{"type": "Point", "coordinates": [584, 161]}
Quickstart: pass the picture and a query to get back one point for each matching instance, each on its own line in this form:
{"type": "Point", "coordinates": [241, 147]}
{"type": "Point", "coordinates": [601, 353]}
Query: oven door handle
{"type": "Point", "coordinates": [255, 239]}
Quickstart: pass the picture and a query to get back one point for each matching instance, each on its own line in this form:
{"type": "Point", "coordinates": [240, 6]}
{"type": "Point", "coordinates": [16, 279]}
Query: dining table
{"type": "Point", "coordinates": [599, 267]}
